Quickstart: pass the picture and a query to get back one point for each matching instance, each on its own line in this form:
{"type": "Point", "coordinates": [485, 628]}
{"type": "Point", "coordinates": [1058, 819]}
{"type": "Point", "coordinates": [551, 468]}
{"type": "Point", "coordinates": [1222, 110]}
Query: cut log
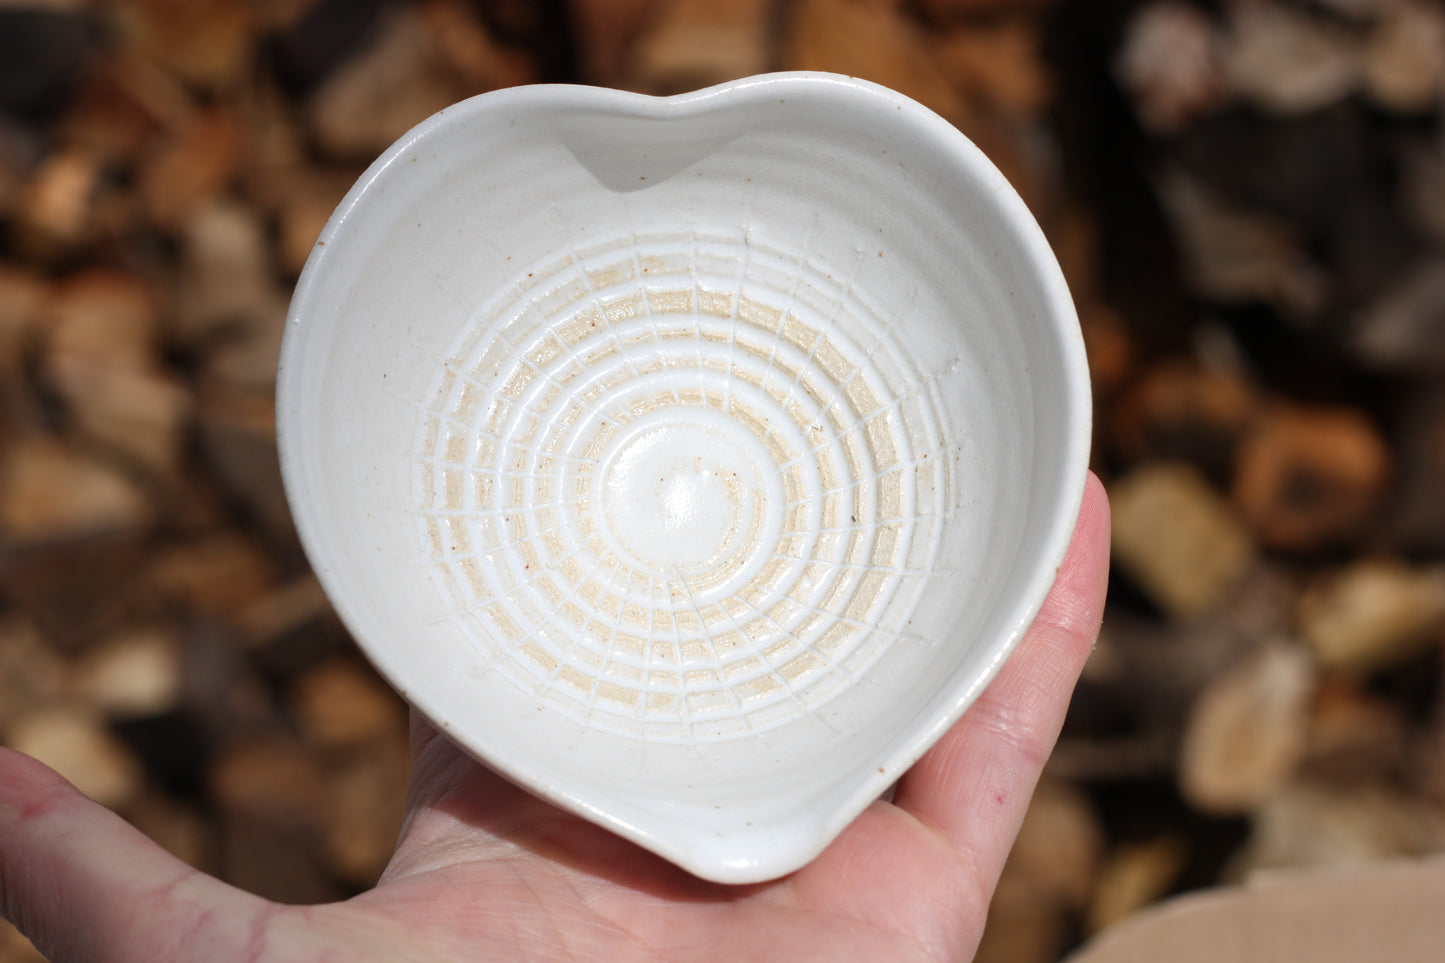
{"type": "Point", "coordinates": [56, 215]}
{"type": "Point", "coordinates": [178, 827]}
{"type": "Point", "coordinates": [1169, 66]}
{"type": "Point", "coordinates": [340, 705]}
{"type": "Point", "coordinates": [1288, 61]}
{"type": "Point", "coordinates": [1310, 478]}
{"type": "Point", "coordinates": [272, 794]}
{"type": "Point", "coordinates": [31, 673]}
{"type": "Point", "coordinates": [1237, 254]}
{"type": "Point", "coordinates": [1179, 540]}
{"type": "Point", "coordinates": [1019, 928]}
{"type": "Point", "coordinates": [1146, 675]}
{"type": "Point", "coordinates": [228, 305]}
{"type": "Point", "coordinates": [1060, 846]}
{"type": "Point", "coordinates": [873, 42]}
{"type": "Point", "coordinates": [23, 297]}
{"type": "Point", "coordinates": [207, 43]}
{"type": "Point", "coordinates": [1403, 70]}
{"type": "Point", "coordinates": [1373, 614]}
{"type": "Point", "coordinates": [692, 44]}
{"type": "Point", "coordinates": [1134, 875]}
{"type": "Point", "coordinates": [366, 801]}
{"type": "Point", "coordinates": [408, 73]}
{"type": "Point", "coordinates": [124, 104]}
{"type": "Point", "coordinates": [218, 575]}
{"type": "Point", "coordinates": [102, 358]}
{"type": "Point", "coordinates": [997, 65]}
{"type": "Point", "coordinates": [15, 948]}
{"type": "Point", "coordinates": [282, 611]}
{"type": "Point", "coordinates": [1248, 731]}
{"type": "Point", "coordinates": [1402, 329]}
{"type": "Point", "coordinates": [72, 740]}
{"type": "Point", "coordinates": [1313, 826]}
{"type": "Point", "coordinates": [135, 673]}
{"type": "Point", "coordinates": [51, 493]}
{"type": "Point", "coordinates": [1107, 343]}
{"type": "Point", "coordinates": [193, 166]}
{"type": "Point", "coordinates": [1178, 409]}
{"type": "Point", "coordinates": [1354, 737]}
{"type": "Point", "coordinates": [952, 11]}
{"type": "Point", "coordinates": [1416, 514]}
{"type": "Point", "coordinates": [238, 448]}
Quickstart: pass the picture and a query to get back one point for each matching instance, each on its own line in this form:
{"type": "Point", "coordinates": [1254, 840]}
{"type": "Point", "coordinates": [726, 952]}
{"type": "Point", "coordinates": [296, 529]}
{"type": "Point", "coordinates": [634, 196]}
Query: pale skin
{"type": "Point", "coordinates": [484, 871]}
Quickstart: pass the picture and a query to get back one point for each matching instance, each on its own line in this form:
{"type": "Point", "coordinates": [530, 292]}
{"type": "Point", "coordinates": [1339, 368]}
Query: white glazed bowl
{"type": "Point", "coordinates": [693, 461]}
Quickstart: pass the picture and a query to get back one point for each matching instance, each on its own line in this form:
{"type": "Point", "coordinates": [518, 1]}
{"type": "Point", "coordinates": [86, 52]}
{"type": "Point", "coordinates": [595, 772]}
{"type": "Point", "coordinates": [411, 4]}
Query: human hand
{"type": "Point", "coordinates": [485, 871]}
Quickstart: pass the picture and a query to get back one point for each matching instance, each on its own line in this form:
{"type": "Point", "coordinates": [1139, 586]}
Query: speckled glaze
{"type": "Point", "coordinates": [692, 461]}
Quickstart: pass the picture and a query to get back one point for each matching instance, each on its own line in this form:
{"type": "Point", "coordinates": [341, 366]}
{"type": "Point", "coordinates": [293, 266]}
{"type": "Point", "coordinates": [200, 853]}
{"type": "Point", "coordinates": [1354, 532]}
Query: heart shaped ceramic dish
{"type": "Point", "coordinates": [692, 461]}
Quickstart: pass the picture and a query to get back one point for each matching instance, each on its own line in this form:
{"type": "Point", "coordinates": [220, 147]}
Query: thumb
{"type": "Point", "coordinates": [85, 885]}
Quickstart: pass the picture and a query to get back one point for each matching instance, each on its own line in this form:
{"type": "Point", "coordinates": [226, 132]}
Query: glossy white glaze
{"type": "Point", "coordinates": [692, 461]}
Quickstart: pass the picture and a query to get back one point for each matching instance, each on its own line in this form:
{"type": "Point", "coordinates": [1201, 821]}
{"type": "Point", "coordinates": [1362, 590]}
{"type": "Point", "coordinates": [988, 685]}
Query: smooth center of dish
{"type": "Point", "coordinates": [684, 491]}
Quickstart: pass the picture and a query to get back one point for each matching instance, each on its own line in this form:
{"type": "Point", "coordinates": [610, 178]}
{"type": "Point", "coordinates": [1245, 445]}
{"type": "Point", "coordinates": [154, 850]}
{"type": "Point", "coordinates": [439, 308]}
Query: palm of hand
{"type": "Point", "coordinates": [485, 871]}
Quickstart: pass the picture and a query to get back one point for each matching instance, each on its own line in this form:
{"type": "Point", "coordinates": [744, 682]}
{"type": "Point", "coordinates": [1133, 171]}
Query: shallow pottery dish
{"type": "Point", "coordinates": [692, 461]}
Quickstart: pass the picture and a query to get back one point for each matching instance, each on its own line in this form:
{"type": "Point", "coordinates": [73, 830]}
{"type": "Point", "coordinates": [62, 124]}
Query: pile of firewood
{"type": "Point", "coordinates": [1248, 199]}
{"type": "Point", "coordinates": [1263, 184]}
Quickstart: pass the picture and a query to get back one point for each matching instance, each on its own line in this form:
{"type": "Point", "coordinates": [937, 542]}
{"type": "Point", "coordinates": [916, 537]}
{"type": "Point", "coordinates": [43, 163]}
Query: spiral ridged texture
{"type": "Point", "coordinates": [682, 486]}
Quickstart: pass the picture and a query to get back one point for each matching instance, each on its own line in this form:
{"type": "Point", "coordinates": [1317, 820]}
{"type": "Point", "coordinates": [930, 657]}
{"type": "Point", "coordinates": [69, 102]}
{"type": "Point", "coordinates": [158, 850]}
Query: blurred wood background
{"type": "Point", "coordinates": [1247, 196]}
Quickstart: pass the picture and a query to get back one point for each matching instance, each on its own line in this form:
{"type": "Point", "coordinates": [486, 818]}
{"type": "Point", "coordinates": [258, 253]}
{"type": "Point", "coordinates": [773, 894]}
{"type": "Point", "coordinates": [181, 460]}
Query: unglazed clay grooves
{"type": "Point", "coordinates": [692, 461]}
